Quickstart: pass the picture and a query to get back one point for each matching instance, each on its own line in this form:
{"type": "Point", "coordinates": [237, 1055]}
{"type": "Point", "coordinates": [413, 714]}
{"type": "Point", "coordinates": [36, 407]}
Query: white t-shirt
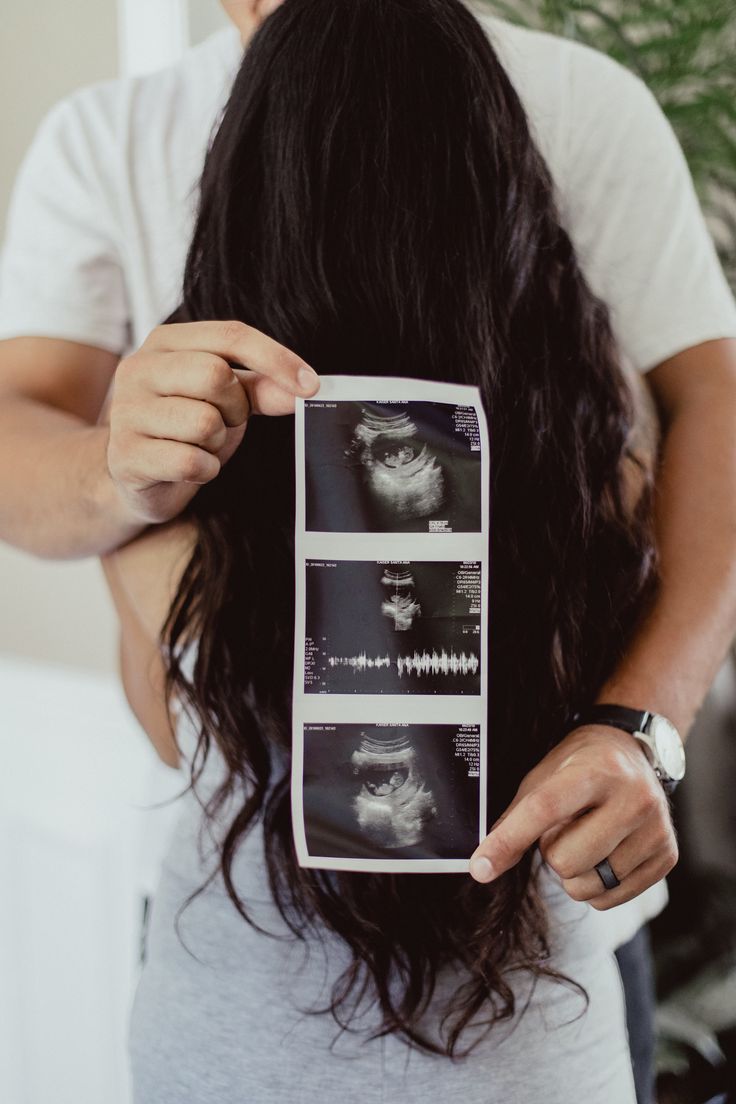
{"type": "Point", "coordinates": [102, 210]}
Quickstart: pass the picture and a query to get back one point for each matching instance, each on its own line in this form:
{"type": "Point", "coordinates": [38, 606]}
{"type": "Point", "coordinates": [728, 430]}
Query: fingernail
{"type": "Point", "coordinates": [307, 378]}
{"type": "Point", "coordinates": [481, 869]}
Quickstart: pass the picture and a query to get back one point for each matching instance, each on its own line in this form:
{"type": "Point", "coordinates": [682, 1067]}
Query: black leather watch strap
{"type": "Point", "coordinates": [618, 716]}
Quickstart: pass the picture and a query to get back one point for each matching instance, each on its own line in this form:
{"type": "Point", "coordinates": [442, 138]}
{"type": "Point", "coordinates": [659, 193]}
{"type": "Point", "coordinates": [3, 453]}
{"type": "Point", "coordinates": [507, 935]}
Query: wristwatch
{"type": "Point", "coordinates": [659, 738]}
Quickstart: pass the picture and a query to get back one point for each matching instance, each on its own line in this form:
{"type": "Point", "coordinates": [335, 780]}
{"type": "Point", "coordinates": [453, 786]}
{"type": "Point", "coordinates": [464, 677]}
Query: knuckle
{"type": "Point", "coordinates": [649, 799]}
{"type": "Point", "coordinates": [287, 362]}
{"type": "Point", "coordinates": [556, 858]}
{"type": "Point", "coordinates": [614, 760]}
{"type": "Point", "coordinates": [188, 467]}
{"type": "Point", "coordinates": [135, 370]}
{"type": "Point", "coordinates": [218, 374]}
{"type": "Point", "coordinates": [208, 422]}
{"type": "Point", "coordinates": [577, 891]}
{"type": "Point", "coordinates": [233, 331]}
{"type": "Point", "coordinates": [671, 855]}
{"type": "Point", "coordinates": [598, 771]}
{"type": "Point", "coordinates": [565, 868]}
{"type": "Point", "coordinates": [602, 904]}
{"type": "Point", "coordinates": [664, 836]}
{"type": "Point", "coordinates": [502, 849]}
{"type": "Point", "coordinates": [544, 805]}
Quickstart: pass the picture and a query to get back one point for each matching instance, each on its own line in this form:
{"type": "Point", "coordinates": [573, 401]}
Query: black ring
{"type": "Point", "coordinates": [606, 875]}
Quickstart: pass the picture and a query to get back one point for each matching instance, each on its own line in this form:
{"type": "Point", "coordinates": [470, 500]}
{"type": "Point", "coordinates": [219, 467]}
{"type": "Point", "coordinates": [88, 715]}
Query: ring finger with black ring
{"type": "Point", "coordinates": [631, 855]}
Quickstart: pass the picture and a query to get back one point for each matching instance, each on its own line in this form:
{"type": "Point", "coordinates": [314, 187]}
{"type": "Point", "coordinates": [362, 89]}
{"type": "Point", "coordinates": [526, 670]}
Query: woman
{"type": "Point", "coordinates": [374, 201]}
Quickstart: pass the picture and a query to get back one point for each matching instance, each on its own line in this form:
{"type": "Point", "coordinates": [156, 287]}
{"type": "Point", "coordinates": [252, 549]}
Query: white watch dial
{"type": "Point", "coordinates": [668, 745]}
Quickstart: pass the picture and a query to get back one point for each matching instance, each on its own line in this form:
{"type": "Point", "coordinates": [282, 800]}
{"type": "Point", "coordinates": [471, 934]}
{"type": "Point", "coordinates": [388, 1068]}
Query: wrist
{"type": "Point", "coordinates": [657, 735]}
{"type": "Point", "coordinates": [103, 496]}
{"type": "Point", "coordinates": [652, 693]}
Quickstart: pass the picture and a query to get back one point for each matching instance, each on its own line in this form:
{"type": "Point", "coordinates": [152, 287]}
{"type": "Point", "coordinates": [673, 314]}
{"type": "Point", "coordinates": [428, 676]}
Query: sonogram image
{"type": "Point", "coordinates": [392, 467]}
{"type": "Point", "coordinates": [401, 472]}
{"type": "Point", "coordinates": [395, 791]}
{"type": "Point", "coordinates": [392, 627]}
{"type": "Point", "coordinates": [393, 805]}
{"type": "Point", "coordinates": [400, 605]}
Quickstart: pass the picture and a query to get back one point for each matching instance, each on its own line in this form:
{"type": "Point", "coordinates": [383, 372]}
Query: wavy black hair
{"type": "Point", "coordinates": [374, 200]}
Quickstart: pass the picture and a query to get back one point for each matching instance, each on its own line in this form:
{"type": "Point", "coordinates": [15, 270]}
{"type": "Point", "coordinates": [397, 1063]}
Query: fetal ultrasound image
{"type": "Point", "coordinates": [392, 791]}
{"type": "Point", "coordinates": [392, 627]}
{"type": "Point", "coordinates": [411, 467]}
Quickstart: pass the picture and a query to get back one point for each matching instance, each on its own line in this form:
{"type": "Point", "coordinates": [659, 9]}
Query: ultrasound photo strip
{"type": "Point", "coordinates": [390, 688]}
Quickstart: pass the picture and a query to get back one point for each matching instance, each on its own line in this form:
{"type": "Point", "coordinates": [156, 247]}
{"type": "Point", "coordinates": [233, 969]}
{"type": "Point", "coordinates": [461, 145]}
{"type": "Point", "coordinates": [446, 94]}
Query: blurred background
{"type": "Point", "coordinates": [78, 854]}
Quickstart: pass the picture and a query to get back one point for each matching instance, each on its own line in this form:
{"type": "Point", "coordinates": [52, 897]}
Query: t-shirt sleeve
{"type": "Point", "coordinates": [630, 206]}
{"type": "Point", "coordinates": [60, 268]}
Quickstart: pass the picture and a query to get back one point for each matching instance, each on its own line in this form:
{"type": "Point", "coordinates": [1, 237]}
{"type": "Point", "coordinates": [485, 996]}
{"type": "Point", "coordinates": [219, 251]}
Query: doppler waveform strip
{"type": "Point", "coordinates": [442, 663]}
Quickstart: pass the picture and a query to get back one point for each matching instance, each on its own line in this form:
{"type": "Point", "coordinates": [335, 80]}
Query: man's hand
{"type": "Point", "coordinates": [179, 410]}
{"type": "Point", "coordinates": [593, 797]}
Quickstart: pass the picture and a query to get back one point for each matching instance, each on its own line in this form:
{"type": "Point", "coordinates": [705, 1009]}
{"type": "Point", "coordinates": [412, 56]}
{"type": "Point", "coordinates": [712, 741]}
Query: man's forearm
{"type": "Point", "coordinates": [59, 502]}
{"type": "Point", "coordinates": [676, 654]}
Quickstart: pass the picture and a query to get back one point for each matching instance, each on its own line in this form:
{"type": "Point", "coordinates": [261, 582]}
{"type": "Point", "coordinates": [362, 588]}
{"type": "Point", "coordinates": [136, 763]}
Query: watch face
{"type": "Point", "coordinates": [669, 746]}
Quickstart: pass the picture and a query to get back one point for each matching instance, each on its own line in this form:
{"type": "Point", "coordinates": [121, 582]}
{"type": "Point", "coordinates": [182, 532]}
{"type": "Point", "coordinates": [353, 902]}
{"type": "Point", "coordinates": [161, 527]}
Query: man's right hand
{"type": "Point", "coordinates": [179, 409]}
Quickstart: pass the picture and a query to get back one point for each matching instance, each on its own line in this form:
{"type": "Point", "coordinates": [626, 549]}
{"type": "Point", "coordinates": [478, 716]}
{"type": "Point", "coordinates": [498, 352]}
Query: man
{"type": "Point", "coordinates": [97, 235]}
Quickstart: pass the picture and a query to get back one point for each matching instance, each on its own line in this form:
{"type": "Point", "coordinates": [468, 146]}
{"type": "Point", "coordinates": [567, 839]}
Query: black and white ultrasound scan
{"type": "Point", "coordinates": [390, 687]}
{"type": "Point", "coordinates": [401, 790]}
{"type": "Point", "coordinates": [399, 466]}
{"type": "Point", "coordinates": [392, 627]}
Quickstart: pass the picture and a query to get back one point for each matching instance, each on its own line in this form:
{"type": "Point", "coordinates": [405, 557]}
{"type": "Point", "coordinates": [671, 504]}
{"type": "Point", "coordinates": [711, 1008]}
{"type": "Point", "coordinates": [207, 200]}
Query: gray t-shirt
{"type": "Point", "coordinates": [223, 1017]}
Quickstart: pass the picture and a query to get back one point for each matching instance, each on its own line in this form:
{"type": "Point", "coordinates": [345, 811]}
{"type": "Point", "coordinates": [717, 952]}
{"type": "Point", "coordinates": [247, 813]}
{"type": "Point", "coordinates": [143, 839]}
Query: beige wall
{"type": "Point", "coordinates": [50, 610]}
{"type": "Point", "coordinates": [205, 16]}
{"type": "Point", "coordinates": [47, 48]}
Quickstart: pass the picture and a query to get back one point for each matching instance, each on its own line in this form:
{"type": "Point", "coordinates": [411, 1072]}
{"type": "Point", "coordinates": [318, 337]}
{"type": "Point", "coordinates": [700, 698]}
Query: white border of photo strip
{"type": "Point", "coordinates": [385, 708]}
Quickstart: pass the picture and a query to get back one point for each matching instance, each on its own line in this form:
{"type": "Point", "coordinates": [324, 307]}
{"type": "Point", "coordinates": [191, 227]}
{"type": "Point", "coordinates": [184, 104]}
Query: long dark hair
{"type": "Point", "coordinates": [373, 200]}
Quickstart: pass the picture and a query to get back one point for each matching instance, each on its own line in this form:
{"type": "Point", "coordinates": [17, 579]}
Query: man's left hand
{"type": "Point", "coordinates": [595, 796]}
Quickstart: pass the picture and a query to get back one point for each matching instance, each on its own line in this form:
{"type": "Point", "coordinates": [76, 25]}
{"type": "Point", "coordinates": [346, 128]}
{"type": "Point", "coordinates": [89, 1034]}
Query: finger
{"type": "Point", "coordinates": [529, 783]}
{"type": "Point", "coordinates": [552, 834]}
{"type": "Point", "coordinates": [157, 461]}
{"type": "Point", "coordinates": [585, 841]}
{"type": "Point", "coordinates": [630, 854]}
{"type": "Point", "coordinates": [563, 795]}
{"type": "Point", "coordinates": [186, 420]}
{"type": "Point", "coordinates": [647, 874]}
{"type": "Point", "coordinates": [235, 341]}
{"type": "Point", "coordinates": [536, 776]}
{"type": "Point", "coordinates": [202, 376]}
{"type": "Point", "coordinates": [263, 395]}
